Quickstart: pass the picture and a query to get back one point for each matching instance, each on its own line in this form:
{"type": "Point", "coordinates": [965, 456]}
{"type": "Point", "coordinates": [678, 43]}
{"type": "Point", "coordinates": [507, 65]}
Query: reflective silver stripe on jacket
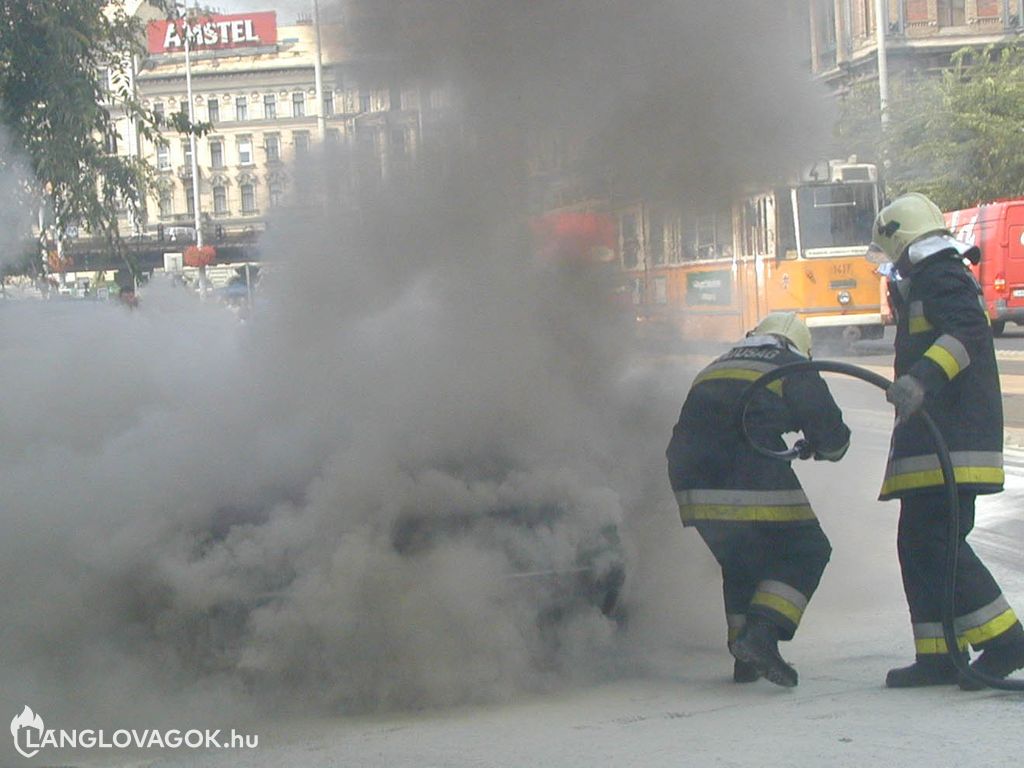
{"type": "Point", "coordinates": [949, 354]}
{"type": "Point", "coordinates": [736, 498]}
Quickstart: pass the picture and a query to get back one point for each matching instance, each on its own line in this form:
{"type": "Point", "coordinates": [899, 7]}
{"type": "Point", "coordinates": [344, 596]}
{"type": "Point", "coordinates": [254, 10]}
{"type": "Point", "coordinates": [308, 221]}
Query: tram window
{"type": "Point", "coordinates": [836, 215]}
{"type": "Point", "coordinates": [660, 290]}
{"type": "Point", "coordinates": [785, 227]}
{"type": "Point", "coordinates": [630, 240]}
{"type": "Point", "coordinates": [656, 239]}
{"type": "Point", "coordinates": [673, 239]}
{"type": "Point", "coordinates": [703, 237]}
{"type": "Point", "coordinates": [706, 242]}
{"type": "Point", "coordinates": [755, 226]}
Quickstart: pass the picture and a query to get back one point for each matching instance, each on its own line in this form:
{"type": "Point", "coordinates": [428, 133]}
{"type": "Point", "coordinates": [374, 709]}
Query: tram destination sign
{"type": "Point", "coordinates": [237, 30]}
{"type": "Point", "coordinates": [709, 288]}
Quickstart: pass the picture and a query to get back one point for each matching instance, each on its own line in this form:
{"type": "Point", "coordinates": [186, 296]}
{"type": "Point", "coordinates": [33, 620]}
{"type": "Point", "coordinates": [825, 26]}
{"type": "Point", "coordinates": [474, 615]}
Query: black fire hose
{"type": "Point", "coordinates": [949, 482]}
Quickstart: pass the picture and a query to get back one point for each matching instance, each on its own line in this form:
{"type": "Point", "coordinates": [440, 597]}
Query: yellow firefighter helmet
{"type": "Point", "coordinates": [788, 326]}
{"type": "Point", "coordinates": [902, 222]}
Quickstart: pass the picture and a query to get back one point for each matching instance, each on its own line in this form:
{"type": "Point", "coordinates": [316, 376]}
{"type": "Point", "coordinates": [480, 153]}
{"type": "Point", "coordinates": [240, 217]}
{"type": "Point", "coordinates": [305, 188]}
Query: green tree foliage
{"type": "Point", "coordinates": [955, 137]}
{"type": "Point", "coordinates": [65, 73]}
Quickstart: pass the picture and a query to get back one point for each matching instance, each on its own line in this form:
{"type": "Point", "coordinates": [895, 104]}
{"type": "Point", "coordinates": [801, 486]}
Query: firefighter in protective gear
{"type": "Point", "coordinates": [945, 361]}
{"type": "Point", "coordinates": [750, 509]}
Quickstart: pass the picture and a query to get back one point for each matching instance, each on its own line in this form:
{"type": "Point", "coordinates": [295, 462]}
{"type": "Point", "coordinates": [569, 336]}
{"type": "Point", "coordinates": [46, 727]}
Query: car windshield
{"type": "Point", "coordinates": [836, 215]}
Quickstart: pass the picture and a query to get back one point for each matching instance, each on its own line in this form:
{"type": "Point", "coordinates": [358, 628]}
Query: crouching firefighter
{"type": "Point", "coordinates": [748, 508]}
{"type": "Point", "coordinates": [945, 361]}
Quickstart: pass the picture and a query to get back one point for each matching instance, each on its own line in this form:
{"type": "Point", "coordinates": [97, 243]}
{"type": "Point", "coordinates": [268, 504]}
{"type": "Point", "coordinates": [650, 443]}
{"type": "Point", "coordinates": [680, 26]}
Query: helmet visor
{"type": "Point", "coordinates": [876, 254]}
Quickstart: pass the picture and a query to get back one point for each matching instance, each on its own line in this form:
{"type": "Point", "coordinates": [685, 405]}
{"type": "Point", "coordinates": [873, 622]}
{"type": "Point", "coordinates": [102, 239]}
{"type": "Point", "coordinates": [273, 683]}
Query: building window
{"type": "Point", "coordinates": [364, 101]}
{"type": "Point", "coordinates": [329, 104]}
{"type": "Point", "coordinates": [916, 11]}
{"type": "Point", "coordinates": [275, 192]}
{"type": "Point", "coordinates": [220, 200]}
{"type": "Point", "coordinates": [272, 143]}
{"type": "Point", "coordinates": [166, 203]}
{"type": "Point", "coordinates": [298, 104]}
{"type": "Point", "coordinates": [245, 150]}
{"type": "Point", "coordinates": [241, 108]}
{"type": "Point", "coordinates": [825, 34]}
{"type": "Point", "coordinates": [163, 156]}
{"type": "Point", "coordinates": [186, 151]}
{"type": "Point", "coordinates": [301, 139]}
{"type": "Point", "coordinates": [159, 116]}
{"type": "Point", "coordinates": [248, 198]}
{"type": "Point", "coordinates": [217, 154]}
{"type": "Point", "coordinates": [270, 106]}
{"type": "Point", "coordinates": [952, 13]}
{"type": "Point", "coordinates": [988, 9]}
{"type": "Point", "coordinates": [190, 203]}
{"type": "Point", "coordinates": [213, 110]}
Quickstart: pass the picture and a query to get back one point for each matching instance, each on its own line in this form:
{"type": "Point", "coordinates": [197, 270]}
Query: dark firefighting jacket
{"type": "Point", "coordinates": [715, 473]}
{"type": "Point", "coordinates": [943, 339]}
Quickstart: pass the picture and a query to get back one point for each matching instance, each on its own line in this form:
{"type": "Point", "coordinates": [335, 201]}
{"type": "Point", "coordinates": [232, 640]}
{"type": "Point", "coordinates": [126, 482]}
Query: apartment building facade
{"type": "Point", "coordinates": [254, 83]}
{"type": "Point", "coordinates": [921, 34]}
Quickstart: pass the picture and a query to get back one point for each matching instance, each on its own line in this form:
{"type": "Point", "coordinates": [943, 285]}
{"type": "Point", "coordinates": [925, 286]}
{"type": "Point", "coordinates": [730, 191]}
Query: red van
{"type": "Point", "coordinates": [997, 228]}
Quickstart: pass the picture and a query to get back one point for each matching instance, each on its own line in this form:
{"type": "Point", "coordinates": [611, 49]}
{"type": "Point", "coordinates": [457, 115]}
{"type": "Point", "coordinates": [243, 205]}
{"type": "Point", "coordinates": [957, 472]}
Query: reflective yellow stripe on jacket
{"type": "Point", "coordinates": [949, 354]}
{"type": "Point", "coordinates": [969, 467]}
{"type": "Point", "coordinates": [742, 370]}
{"type": "Point", "coordinates": [747, 506]}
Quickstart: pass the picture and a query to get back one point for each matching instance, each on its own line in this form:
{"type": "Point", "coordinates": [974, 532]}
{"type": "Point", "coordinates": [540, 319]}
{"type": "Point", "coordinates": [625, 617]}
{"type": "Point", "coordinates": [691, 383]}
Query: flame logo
{"type": "Point", "coordinates": [27, 719]}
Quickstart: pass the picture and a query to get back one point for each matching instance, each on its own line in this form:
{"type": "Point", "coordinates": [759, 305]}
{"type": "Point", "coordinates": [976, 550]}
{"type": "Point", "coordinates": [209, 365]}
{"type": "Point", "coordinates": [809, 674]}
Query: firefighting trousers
{"type": "Point", "coordinates": [982, 616]}
{"type": "Point", "coordinates": [767, 570]}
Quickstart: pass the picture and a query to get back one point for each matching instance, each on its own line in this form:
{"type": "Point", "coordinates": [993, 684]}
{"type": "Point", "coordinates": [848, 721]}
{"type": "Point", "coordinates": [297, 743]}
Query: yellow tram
{"type": "Point", "coordinates": [800, 247]}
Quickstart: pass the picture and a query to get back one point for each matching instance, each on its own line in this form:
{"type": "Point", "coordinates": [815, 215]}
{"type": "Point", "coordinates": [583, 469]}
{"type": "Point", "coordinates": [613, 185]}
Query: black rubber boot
{"type": "Point", "coordinates": [927, 670]}
{"type": "Point", "coordinates": [998, 661]}
{"type": "Point", "coordinates": [758, 646]}
{"type": "Point", "coordinates": [742, 672]}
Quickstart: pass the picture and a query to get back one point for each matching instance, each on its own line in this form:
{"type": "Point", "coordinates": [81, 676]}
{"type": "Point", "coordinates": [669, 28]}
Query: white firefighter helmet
{"type": "Point", "coordinates": [912, 227]}
{"type": "Point", "coordinates": [788, 326]}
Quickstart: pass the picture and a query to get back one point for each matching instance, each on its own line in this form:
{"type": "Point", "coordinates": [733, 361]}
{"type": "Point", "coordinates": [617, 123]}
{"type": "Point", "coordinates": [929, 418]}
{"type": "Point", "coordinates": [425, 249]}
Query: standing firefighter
{"type": "Point", "coordinates": [945, 360]}
{"type": "Point", "coordinates": [750, 509]}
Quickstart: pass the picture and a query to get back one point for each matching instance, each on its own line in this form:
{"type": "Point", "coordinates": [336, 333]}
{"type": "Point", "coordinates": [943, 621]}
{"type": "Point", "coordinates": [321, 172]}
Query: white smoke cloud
{"type": "Point", "coordinates": [200, 517]}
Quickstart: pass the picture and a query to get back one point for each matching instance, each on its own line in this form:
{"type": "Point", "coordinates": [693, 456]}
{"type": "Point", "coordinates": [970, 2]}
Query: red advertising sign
{"type": "Point", "coordinates": [218, 31]}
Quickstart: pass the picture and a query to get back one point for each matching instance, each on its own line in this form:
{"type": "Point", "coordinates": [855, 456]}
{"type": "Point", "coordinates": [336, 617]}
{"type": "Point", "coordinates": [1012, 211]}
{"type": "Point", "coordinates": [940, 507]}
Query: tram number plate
{"type": "Point", "coordinates": [1018, 293]}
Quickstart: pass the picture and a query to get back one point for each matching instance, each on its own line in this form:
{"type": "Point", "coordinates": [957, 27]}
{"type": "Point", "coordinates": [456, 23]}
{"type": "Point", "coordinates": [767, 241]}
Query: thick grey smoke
{"type": "Point", "coordinates": [200, 516]}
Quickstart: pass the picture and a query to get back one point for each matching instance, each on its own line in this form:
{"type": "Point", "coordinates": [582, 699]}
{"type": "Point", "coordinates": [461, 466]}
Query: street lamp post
{"type": "Point", "coordinates": [192, 151]}
{"type": "Point", "coordinates": [881, 27]}
{"type": "Point", "coordinates": [321, 120]}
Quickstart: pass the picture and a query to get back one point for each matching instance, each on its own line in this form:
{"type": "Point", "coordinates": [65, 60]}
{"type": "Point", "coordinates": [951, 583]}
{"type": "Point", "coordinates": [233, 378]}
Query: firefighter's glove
{"type": "Point", "coordinates": [907, 394]}
{"type": "Point", "coordinates": [804, 450]}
